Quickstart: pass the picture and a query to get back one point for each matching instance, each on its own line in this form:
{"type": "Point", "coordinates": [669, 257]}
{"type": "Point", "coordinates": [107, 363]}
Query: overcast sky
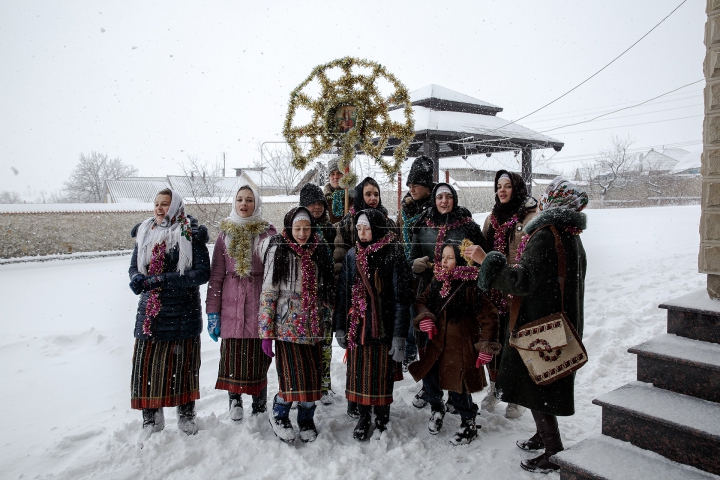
{"type": "Point", "coordinates": [151, 82]}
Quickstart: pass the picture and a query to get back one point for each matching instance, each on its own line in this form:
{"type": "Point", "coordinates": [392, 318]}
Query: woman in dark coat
{"type": "Point", "coordinates": [372, 318]}
{"type": "Point", "coordinates": [444, 221]}
{"type": "Point", "coordinates": [534, 282]}
{"type": "Point", "coordinates": [169, 263]}
{"type": "Point", "coordinates": [462, 323]}
{"type": "Point", "coordinates": [503, 233]}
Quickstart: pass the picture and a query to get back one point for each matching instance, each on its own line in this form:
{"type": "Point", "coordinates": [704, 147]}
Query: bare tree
{"type": "Point", "coordinates": [10, 197]}
{"type": "Point", "coordinates": [614, 167]}
{"type": "Point", "coordinates": [87, 180]}
{"type": "Point", "coordinates": [277, 170]}
{"type": "Point", "coordinates": [203, 187]}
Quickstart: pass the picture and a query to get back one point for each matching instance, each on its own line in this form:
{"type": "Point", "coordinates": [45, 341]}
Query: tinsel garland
{"type": "Point", "coordinates": [338, 203]}
{"type": "Point", "coordinates": [446, 277]}
{"type": "Point", "coordinates": [152, 306]}
{"type": "Point", "coordinates": [374, 126]}
{"type": "Point", "coordinates": [359, 300]}
{"type": "Point", "coordinates": [442, 231]}
{"type": "Point", "coordinates": [500, 240]}
{"type": "Point", "coordinates": [309, 282]}
{"type": "Point", "coordinates": [240, 245]}
{"type": "Point", "coordinates": [573, 230]}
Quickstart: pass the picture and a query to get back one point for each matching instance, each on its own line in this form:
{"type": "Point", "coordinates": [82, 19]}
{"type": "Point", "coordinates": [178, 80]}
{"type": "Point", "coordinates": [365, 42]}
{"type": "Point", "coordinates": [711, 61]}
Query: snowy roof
{"type": "Point", "coordinates": [75, 207]}
{"type": "Point", "coordinates": [461, 124]}
{"type": "Point", "coordinates": [134, 189]}
{"type": "Point", "coordinates": [497, 161]}
{"type": "Point", "coordinates": [691, 161]}
{"type": "Point", "coordinates": [676, 153]}
{"type": "Point", "coordinates": [657, 161]}
{"type": "Point", "coordinates": [436, 96]}
{"type": "Point", "coordinates": [199, 188]}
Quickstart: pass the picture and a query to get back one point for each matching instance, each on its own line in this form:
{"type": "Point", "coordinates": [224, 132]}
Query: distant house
{"type": "Point", "coordinates": [133, 189]}
{"type": "Point", "coordinates": [689, 164]}
{"type": "Point", "coordinates": [482, 168]}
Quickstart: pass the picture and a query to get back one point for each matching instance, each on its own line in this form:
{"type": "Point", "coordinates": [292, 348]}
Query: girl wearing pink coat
{"type": "Point", "coordinates": [233, 299]}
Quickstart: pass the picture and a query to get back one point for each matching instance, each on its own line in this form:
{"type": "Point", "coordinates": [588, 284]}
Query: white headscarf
{"type": "Point", "coordinates": [300, 216]}
{"type": "Point", "coordinates": [257, 213]}
{"type": "Point", "coordinates": [174, 230]}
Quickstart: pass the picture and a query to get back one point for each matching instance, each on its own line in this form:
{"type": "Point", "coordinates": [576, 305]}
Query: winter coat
{"type": "Point", "coordinates": [236, 299]}
{"type": "Point", "coordinates": [328, 190]}
{"type": "Point", "coordinates": [390, 280]}
{"type": "Point", "coordinates": [425, 237]}
{"type": "Point", "coordinates": [531, 204]}
{"type": "Point", "coordinates": [534, 281]}
{"type": "Point", "coordinates": [180, 314]}
{"type": "Point", "coordinates": [472, 318]}
{"type": "Point", "coordinates": [281, 315]}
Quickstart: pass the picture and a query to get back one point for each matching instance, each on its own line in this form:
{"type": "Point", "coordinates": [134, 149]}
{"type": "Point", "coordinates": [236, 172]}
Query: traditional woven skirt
{"type": "Point", "coordinates": [299, 370]}
{"type": "Point", "coordinates": [165, 373]}
{"type": "Point", "coordinates": [243, 366]}
{"type": "Point", "coordinates": [371, 373]}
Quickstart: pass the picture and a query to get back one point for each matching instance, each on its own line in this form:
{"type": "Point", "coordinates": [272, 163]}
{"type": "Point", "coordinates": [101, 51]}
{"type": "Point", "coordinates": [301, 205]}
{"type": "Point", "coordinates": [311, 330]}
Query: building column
{"type": "Point", "coordinates": [527, 168]}
{"type": "Point", "coordinates": [709, 256]}
{"type": "Point", "coordinates": [430, 148]}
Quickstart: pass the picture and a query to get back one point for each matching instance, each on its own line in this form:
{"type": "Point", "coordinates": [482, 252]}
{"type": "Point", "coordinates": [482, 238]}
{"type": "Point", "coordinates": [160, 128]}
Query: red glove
{"type": "Point", "coordinates": [428, 326]}
{"type": "Point", "coordinates": [482, 359]}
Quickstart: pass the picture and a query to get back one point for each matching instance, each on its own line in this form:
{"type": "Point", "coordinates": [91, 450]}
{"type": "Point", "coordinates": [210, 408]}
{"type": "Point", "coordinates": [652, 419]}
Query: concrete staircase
{"type": "Point", "coordinates": [667, 424]}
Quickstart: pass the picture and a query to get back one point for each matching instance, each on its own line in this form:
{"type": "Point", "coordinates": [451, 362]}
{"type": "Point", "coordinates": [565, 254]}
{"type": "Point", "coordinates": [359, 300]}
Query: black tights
{"type": "Point", "coordinates": [547, 428]}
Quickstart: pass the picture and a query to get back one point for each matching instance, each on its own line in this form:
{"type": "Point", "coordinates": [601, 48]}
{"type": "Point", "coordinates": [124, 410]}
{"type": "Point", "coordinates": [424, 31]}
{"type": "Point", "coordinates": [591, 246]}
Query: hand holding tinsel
{"type": "Point", "coordinates": [475, 253]}
{"type": "Point", "coordinates": [428, 326]}
{"type": "Point", "coordinates": [213, 326]}
{"type": "Point", "coordinates": [420, 264]}
{"type": "Point", "coordinates": [341, 338]}
{"type": "Point", "coordinates": [136, 284]}
{"type": "Point", "coordinates": [267, 347]}
{"type": "Point", "coordinates": [151, 282]}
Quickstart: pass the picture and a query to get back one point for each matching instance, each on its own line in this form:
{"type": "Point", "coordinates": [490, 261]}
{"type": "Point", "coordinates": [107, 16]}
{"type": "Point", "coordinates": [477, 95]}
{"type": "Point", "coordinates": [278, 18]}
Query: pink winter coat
{"type": "Point", "coordinates": [236, 299]}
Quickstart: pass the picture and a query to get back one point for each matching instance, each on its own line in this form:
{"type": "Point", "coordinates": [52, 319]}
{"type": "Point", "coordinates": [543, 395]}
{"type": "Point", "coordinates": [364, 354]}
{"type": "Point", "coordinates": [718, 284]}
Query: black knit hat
{"type": "Point", "coordinates": [421, 172]}
{"type": "Point", "coordinates": [311, 193]}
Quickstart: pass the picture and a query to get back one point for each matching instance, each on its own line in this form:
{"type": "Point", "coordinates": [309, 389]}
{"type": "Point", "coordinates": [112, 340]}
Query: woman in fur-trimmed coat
{"type": "Point", "coordinates": [534, 282]}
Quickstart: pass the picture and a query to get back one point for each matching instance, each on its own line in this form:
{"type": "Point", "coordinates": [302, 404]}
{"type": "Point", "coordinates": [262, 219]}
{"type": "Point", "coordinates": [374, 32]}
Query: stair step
{"type": "Point", "coordinates": [680, 364]}
{"type": "Point", "coordinates": [682, 428]}
{"type": "Point", "coordinates": [694, 316]}
{"type": "Point", "coordinates": [603, 458]}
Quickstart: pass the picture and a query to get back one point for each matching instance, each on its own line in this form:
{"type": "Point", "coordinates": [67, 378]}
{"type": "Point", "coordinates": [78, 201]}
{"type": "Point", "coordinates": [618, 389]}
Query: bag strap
{"type": "Point", "coordinates": [562, 272]}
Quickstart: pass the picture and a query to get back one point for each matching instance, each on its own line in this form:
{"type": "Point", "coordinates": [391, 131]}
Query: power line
{"type": "Point", "coordinates": [586, 156]}
{"type": "Point", "coordinates": [594, 74]}
{"type": "Point", "coordinates": [632, 124]}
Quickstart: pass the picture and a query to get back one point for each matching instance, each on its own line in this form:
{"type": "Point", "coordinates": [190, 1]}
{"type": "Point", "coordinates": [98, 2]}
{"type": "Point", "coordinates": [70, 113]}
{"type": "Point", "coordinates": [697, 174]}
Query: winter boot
{"type": "Point", "coordinates": [382, 417]}
{"type": "Point", "coordinates": [466, 433]}
{"type": "Point", "coordinates": [514, 411]}
{"type": "Point", "coordinates": [419, 400]}
{"type": "Point", "coordinates": [153, 422]}
{"type": "Point", "coordinates": [540, 464]}
{"type": "Point", "coordinates": [258, 407]}
{"type": "Point", "coordinates": [352, 410]}
{"type": "Point", "coordinates": [306, 423]}
{"type": "Point", "coordinates": [362, 429]}
{"type": "Point", "coordinates": [186, 418]}
{"type": "Point", "coordinates": [437, 414]}
{"type": "Point", "coordinates": [532, 444]}
{"type": "Point", "coordinates": [280, 422]}
{"type": "Point", "coordinates": [488, 403]}
{"type": "Point", "coordinates": [236, 406]}
{"type": "Point", "coordinates": [327, 397]}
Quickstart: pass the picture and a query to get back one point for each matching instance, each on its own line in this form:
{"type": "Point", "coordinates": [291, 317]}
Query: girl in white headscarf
{"type": "Point", "coordinates": [233, 301]}
{"type": "Point", "coordinates": [169, 263]}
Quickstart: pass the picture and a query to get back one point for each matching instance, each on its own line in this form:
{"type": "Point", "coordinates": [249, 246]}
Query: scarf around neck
{"type": "Point", "coordinates": [241, 233]}
{"type": "Point", "coordinates": [309, 280]}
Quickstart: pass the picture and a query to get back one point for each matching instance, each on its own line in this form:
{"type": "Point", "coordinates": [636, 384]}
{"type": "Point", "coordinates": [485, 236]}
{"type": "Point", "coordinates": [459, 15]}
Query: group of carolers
{"type": "Point", "coordinates": [398, 296]}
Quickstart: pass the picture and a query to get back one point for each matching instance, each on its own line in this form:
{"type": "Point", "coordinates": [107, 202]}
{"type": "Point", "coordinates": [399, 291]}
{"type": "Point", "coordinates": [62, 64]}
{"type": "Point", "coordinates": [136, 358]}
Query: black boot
{"type": "Point", "coordinates": [549, 432]}
{"type": "Point", "coordinates": [437, 414]}
{"type": "Point", "coordinates": [186, 418]}
{"type": "Point", "coordinates": [466, 433]}
{"type": "Point", "coordinates": [153, 422]}
{"type": "Point", "coordinates": [531, 444]}
{"type": "Point", "coordinates": [306, 423]}
{"type": "Point", "coordinates": [362, 429]}
{"type": "Point", "coordinates": [352, 410]}
{"type": "Point", "coordinates": [259, 402]}
{"type": "Point", "coordinates": [280, 422]}
{"type": "Point", "coordinates": [382, 417]}
{"type": "Point", "coordinates": [236, 406]}
{"type": "Point", "coordinates": [540, 464]}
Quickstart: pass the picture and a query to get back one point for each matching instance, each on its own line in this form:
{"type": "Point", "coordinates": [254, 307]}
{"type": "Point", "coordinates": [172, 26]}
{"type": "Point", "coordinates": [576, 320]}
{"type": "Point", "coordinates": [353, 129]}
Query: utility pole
{"type": "Point", "coordinates": [223, 164]}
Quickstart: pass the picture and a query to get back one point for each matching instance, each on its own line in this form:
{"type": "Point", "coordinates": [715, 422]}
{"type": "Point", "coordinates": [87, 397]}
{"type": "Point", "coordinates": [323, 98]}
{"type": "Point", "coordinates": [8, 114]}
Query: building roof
{"type": "Point", "coordinates": [197, 189]}
{"type": "Point", "coordinates": [656, 161]}
{"type": "Point", "coordinates": [690, 162]}
{"type": "Point", "coordinates": [438, 97]}
{"type": "Point", "coordinates": [134, 189]}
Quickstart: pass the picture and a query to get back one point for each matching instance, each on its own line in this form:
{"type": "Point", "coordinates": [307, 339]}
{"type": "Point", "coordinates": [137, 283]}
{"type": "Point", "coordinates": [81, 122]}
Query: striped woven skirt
{"type": "Point", "coordinates": [299, 370]}
{"type": "Point", "coordinates": [165, 373]}
{"type": "Point", "coordinates": [243, 366]}
{"type": "Point", "coordinates": [371, 373]}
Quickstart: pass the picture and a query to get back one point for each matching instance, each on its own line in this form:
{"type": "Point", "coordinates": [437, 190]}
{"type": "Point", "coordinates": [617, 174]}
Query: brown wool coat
{"type": "Point", "coordinates": [453, 348]}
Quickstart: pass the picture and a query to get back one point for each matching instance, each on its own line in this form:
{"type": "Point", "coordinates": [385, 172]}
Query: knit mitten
{"type": "Point", "coordinates": [213, 325]}
{"type": "Point", "coordinates": [398, 349]}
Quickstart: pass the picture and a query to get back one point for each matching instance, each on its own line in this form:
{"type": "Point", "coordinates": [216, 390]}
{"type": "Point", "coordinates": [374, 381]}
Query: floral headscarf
{"type": "Point", "coordinates": [562, 193]}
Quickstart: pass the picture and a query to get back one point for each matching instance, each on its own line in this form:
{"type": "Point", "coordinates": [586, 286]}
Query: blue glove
{"type": "Point", "coordinates": [136, 284]}
{"type": "Point", "coordinates": [214, 325]}
{"type": "Point", "coordinates": [152, 282]}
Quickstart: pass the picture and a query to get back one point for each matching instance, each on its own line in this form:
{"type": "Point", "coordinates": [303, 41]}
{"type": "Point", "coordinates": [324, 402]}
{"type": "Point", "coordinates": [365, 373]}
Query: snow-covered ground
{"type": "Point", "coordinates": [66, 347]}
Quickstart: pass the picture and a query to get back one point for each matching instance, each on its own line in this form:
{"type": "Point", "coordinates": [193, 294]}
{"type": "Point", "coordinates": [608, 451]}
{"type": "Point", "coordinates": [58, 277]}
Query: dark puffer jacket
{"type": "Point", "coordinates": [180, 314]}
{"type": "Point", "coordinates": [390, 279]}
